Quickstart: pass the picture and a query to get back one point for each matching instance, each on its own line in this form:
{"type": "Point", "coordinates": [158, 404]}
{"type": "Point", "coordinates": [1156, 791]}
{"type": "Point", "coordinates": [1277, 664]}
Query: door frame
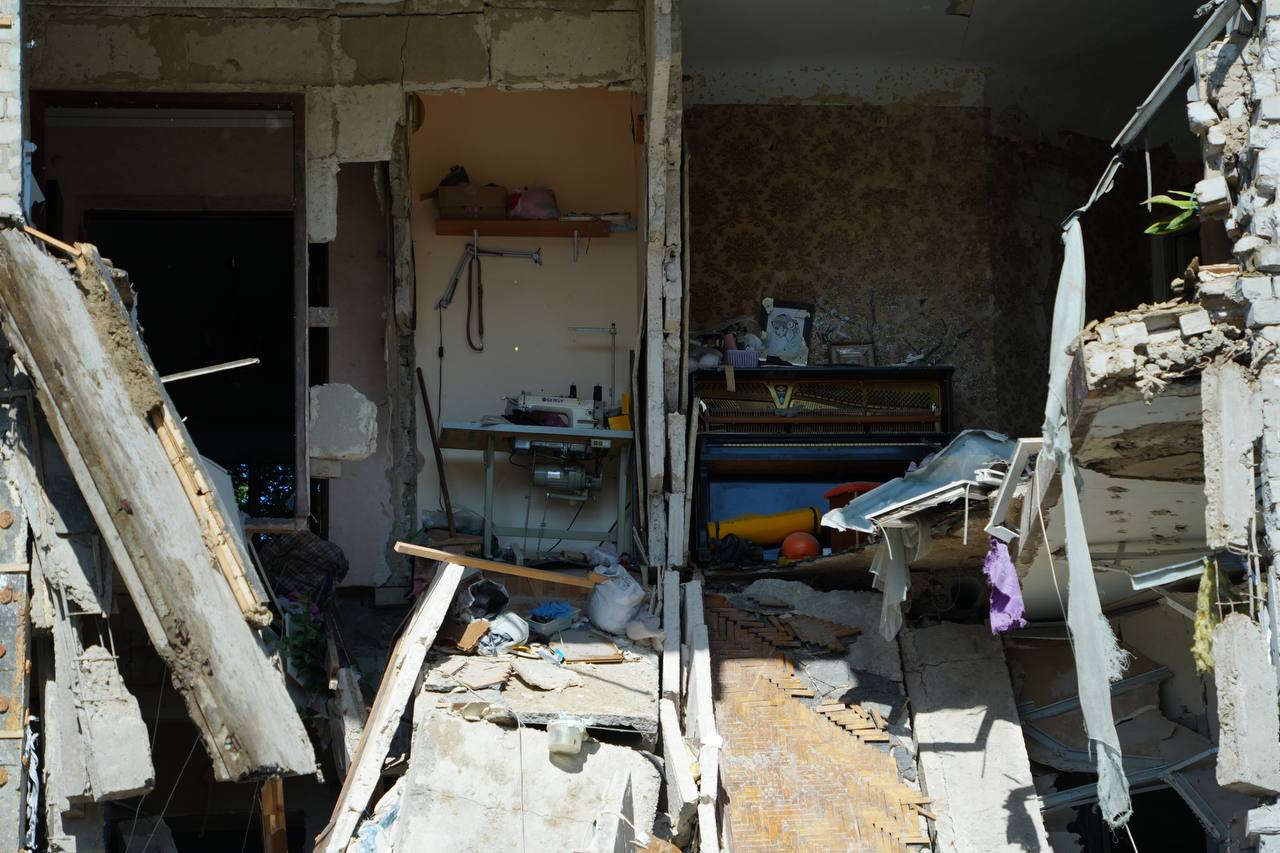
{"type": "Point", "coordinates": [295, 103]}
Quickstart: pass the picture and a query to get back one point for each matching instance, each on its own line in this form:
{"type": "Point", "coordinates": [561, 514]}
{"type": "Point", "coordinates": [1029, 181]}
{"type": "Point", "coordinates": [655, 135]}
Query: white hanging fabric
{"type": "Point", "coordinates": [1098, 657]}
{"type": "Point", "coordinates": [891, 564]}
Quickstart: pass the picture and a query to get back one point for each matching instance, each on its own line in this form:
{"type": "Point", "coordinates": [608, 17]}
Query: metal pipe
{"type": "Point", "coordinates": [213, 368]}
{"type": "Point", "coordinates": [472, 251]}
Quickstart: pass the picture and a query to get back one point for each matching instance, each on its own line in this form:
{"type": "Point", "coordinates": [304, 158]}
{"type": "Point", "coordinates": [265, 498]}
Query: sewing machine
{"type": "Point", "coordinates": [546, 410]}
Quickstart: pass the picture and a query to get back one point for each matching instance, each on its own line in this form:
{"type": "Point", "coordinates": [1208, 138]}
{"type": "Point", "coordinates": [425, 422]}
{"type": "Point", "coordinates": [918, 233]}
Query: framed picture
{"type": "Point", "coordinates": [787, 326]}
{"type": "Point", "coordinates": [860, 355]}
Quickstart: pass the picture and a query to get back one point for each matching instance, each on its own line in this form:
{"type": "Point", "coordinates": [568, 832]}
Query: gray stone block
{"type": "Point", "coordinates": [1264, 312]}
{"type": "Point", "coordinates": [1249, 727]}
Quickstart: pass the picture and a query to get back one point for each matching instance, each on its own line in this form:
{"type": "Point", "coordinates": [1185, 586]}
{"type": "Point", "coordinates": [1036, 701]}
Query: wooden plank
{"type": "Point", "coordinates": [347, 714]}
{"type": "Point", "coordinates": [98, 387]}
{"type": "Point", "coordinates": [682, 788]}
{"type": "Point", "coordinates": [388, 707]}
{"type": "Point", "coordinates": [671, 635]}
{"type": "Point", "coordinates": [658, 30]}
{"type": "Point", "coordinates": [523, 227]}
{"type": "Point", "coordinates": [709, 740]}
{"type": "Point", "coordinates": [691, 457]}
{"type": "Point", "coordinates": [587, 582]}
{"type": "Point", "coordinates": [275, 836]}
{"type": "Point", "coordinates": [226, 544]}
{"type": "Point", "coordinates": [676, 534]}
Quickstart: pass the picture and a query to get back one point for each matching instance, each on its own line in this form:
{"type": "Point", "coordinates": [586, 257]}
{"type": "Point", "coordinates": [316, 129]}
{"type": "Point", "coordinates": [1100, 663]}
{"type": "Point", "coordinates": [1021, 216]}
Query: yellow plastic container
{"type": "Point", "coordinates": [768, 530]}
{"type": "Point", "coordinates": [622, 422]}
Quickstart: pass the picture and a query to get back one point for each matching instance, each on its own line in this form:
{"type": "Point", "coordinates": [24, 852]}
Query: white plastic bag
{"type": "Point", "coordinates": [615, 602]}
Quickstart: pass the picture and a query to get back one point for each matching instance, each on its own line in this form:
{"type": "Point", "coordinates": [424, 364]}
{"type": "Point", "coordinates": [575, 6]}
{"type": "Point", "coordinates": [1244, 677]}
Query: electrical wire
{"type": "Point", "coordinates": [160, 818]}
{"type": "Point", "coordinates": [155, 730]}
{"type": "Point", "coordinates": [576, 513]}
{"type": "Point", "coordinates": [253, 805]}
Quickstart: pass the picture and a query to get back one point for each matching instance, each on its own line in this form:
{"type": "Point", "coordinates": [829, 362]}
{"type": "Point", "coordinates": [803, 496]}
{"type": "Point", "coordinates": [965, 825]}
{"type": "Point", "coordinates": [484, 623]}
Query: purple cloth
{"type": "Point", "coordinates": [1007, 611]}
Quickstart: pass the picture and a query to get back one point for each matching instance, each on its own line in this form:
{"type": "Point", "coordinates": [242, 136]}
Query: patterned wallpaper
{"type": "Point", "coordinates": [860, 210]}
{"type": "Point", "coordinates": [918, 217]}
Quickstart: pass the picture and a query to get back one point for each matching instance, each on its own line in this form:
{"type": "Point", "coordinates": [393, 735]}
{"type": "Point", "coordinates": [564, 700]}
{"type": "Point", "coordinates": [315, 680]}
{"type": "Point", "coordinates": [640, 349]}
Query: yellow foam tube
{"type": "Point", "coordinates": [768, 530]}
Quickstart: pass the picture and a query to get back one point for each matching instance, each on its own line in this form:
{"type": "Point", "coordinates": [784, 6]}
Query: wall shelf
{"type": "Point", "coordinates": [523, 227]}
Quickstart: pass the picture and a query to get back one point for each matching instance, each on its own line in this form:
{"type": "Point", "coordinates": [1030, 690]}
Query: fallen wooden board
{"type": "Point", "coordinates": [464, 636]}
{"type": "Point", "coordinates": [275, 835]}
{"type": "Point", "coordinates": [671, 635]}
{"type": "Point", "coordinates": [393, 696]}
{"type": "Point", "coordinates": [682, 788]}
{"type": "Point", "coordinates": [347, 713]}
{"type": "Point", "coordinates": [98, 387]}
{"type": "Point", "coordinates": [591, 579]}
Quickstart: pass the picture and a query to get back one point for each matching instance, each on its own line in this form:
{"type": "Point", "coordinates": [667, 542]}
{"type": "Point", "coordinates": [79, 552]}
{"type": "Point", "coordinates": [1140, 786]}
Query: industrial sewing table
{"type": "Point", "coordinates": [473, 435]}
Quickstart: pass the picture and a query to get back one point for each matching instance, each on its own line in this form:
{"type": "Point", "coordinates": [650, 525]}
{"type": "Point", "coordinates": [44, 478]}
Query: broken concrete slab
{"type": "Point", "coordinates": [342, 423]}
{"type": "Point", "coordinates": [116, 738]}
{"type": "Point", "coordinates": [477, 785]}
{"type": "Point", "coordinates": [67, 548]}
{"type": "Point", "coordinates": [973, 759]}
{"type": "Point", "coordinates": [115, 424]}
{"type": "Point", "coordinates": [1232, 422]}
{"type": "Point", "coordinates": [1249, 729]}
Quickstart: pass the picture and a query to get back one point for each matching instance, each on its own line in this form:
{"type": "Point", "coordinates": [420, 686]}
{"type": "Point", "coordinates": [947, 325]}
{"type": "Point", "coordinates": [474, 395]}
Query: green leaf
{"type": "Point", "coordinates": [1182, 204]}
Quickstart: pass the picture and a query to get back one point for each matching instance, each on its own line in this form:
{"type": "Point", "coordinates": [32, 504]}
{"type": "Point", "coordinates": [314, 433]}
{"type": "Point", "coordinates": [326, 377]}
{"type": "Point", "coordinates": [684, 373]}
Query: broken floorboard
{"type": "Point", "coordinates": [798, 776]}
{"type": "Point", "coordinates": [397, 686]}
{"type": "Point", "coordinates": [98, 388]}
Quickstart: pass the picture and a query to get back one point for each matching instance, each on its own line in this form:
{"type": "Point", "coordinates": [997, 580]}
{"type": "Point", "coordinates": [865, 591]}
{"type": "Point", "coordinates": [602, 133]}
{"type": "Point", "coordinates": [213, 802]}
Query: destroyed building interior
{"type": "Point", "coordinates": [602, 426]}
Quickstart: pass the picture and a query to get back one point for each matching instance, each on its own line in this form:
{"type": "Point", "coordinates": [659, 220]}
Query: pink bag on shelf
{"type": "Point", "coordinates": [536, 203]}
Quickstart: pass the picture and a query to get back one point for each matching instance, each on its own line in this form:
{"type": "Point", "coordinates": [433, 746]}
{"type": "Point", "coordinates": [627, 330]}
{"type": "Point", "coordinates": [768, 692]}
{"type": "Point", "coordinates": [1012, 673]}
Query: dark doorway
{"type": "Point", "coordinates": [213, 288]}
{"type": "Point", "coordinates": [1161, 821]}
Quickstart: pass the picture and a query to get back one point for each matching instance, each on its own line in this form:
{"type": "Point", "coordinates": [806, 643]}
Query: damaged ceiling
{"type": "Point", "coordinates": [1096, 65]}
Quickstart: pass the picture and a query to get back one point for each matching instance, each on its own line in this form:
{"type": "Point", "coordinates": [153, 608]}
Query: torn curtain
{"type": "Point", "coordinates": [1099, 659]}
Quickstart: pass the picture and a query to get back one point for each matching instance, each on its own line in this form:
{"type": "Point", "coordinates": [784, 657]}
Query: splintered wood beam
{"type": "Point", "coordinates": [99, 390]}
{"type": "Point", "coordinates": [228, 550]}
{"type": "Point", "coordinates": [587, 582]}
{"type": "Point", "coordinates": [389, 705]}
{"type": "Point", "coordinates": [275, 835]}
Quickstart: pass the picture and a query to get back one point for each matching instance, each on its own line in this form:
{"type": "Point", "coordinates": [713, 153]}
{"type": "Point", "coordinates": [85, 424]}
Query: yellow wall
{"type": "Point", "coordinates": [578, 143]}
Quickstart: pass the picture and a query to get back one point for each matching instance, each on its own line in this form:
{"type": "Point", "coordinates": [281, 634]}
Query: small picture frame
{"type": "Point", "coordinates": [858, 355]}
{"type": "Point", "coordinates": [787, 327]}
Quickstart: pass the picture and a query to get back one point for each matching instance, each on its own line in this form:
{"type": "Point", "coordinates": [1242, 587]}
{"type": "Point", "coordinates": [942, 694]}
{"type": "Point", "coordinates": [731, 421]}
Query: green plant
{"type": "Point", "coordinates": [1186, 219]}
{"type": "Point", "coordinates": [305, 647]}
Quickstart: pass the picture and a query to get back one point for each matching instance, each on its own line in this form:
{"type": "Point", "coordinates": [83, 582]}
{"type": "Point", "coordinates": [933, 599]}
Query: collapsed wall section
{"type": "Point", "coordinates": [102, 395]}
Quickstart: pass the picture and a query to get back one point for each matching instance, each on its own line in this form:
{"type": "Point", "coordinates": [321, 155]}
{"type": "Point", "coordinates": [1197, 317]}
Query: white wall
{"type": "Point", "coordinates": [580, 144]}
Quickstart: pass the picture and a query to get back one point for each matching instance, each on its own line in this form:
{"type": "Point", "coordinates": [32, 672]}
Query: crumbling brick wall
{"type": "Point", "coordinates": [11, 149]}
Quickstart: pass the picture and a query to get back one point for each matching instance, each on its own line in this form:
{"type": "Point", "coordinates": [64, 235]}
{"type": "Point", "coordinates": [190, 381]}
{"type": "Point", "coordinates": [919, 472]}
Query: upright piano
{"type": "Point", "coordinates": [778, 438]}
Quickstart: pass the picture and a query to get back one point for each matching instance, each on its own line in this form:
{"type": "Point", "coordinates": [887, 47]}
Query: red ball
{"type": "Point", "coordinates": [799, 545]}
